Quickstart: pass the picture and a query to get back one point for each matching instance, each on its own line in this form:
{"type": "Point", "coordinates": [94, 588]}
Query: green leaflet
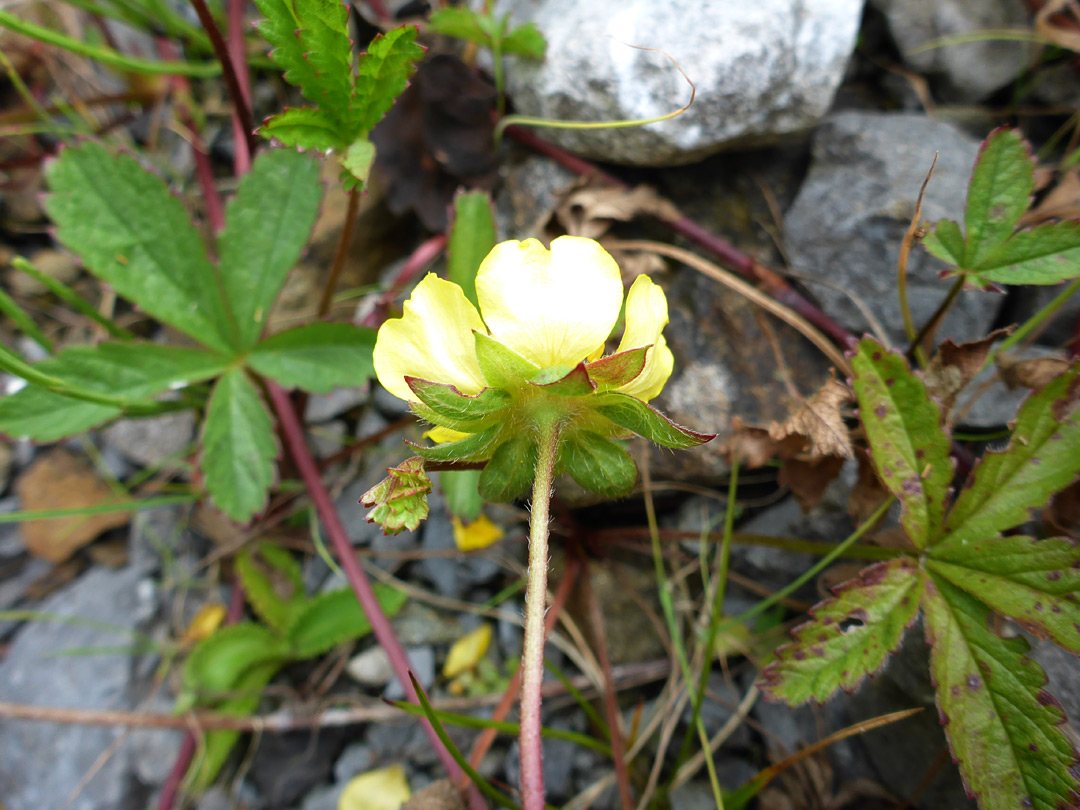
{"type": "Point", "coordinates": [273, 584]}
{"type": "Point", "coordinates": [483, 29]}
{"type": "Point", "coordinates": [849, 636]}
{"type": "Point", "coordinates": [634, 415]}
{"type": "Point", "coordinates": [1041, 459]}
{"type": "Point", "coordinates": [335, 617]}
{"type": "Point", "coordinates": [510, 471]}
{"type": "Point", "coordinates": [472, 236]}
{"type": "Point", "coordinates": [317, 357]}
{"type": "Point", "coordinates": [267, 225]}
{"type": "Point", "coordinates": [382, 75]}
{"type": "Point", "coordinates": [909, 449]}
{"type": "Point", "coordinates": [238, 447]}
{"type": "Point", "coordinates": [1003, 727]}
{"type": "Point", "coordinates": [356, 163]}
{"type": "Point", "coordinates": [130, 231]}
{"type": "Point", "coordinates": [1000, 192]}
{"type": "Point", "coordinates": [461, 489]}
{"type": "Point", "coordinates": [598, 464]}
{"type": "Point", "coordinates": [1034, 582]}
{"type": "Point", "coordinates": [306, 127]}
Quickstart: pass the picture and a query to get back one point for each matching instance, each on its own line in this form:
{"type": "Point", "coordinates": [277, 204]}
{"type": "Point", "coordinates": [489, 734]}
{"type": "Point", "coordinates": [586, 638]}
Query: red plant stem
{"type": "Point", "coordinates": [241, 108]}
{"type": "Point", "coordinates": [420, 258]}
{"type": "Point", "coordinates": [293, 433]}
{"type": "Point", "coordinates": [772, 282]}
{"type": "Point", "coordinates": [238, 55]}
{"type": "Point", "coordinates": [379, 9]}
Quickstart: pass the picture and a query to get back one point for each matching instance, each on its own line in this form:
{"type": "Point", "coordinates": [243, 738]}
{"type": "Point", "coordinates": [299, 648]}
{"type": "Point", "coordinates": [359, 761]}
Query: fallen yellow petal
{"type": "Point", "coordinates": [481, 533]}
{"type": "Point", "coordinates": [381, 789]}
{"type": "Point", "coordinates": [467, 651]}
{"type": "Point", "coordinates": [206, 621]}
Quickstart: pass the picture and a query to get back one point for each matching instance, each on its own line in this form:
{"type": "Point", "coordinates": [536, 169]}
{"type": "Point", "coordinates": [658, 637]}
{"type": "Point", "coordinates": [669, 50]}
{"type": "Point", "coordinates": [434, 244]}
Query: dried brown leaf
{"type": "Point", "coordinates": [589, 208]}
{"type": "Point", "coordinates": [868, 494]}
{"type": "Point", "coordinates": [1062, 516]}
{"type": "Point", "coordinates": [750, 444]}
{"type": "Point", "coordinates": [59, 479]}
{"type": "Point", "coordinates": [440, 795]}
{"type": "Point", "coordinates": [1061, 202]}
{"type": "Point", "coordinates": [820, 419]}
{"type": "Point", "coordinates": [1034, 372]}
{"type": "Point", "coordinates": [808, 479]}
{"type": "Point", "coordinates": [954, 366]}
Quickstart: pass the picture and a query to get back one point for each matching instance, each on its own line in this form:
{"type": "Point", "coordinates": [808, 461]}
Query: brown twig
{"type": "Point", "coordinates": [342, 250]}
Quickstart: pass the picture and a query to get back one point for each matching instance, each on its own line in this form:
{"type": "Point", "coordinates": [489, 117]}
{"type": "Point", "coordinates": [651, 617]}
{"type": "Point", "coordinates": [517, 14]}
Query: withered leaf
{"type": "Point", "coordinates": [590, 206]}
{"type": "Point", "coordinates": [868, 494]}
{"type": "Point", "coordinates": [820, 420]}
{"type": "Point", "coordinates": [809, 479]}
{"type": "Point", "coordinates": [750, 444]}
{"type": "Point", "coordinates": [1061, 202]}
{"type": "Point", "coordinates": [440, 795]}
{"type": "Point", "coordinates": [954, 366]}
{"type": "Point", "coordinates": [1063, 514]}
{"type": "Point", "coordinates": [1034, 372]}
{"type": "Point", "coordinates": [436, 137]}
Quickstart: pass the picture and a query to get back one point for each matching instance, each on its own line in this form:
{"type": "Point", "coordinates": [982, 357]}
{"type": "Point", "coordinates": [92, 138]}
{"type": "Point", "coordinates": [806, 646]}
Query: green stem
{"type": "Point", "coordinates": [1033, 322]}
{"type": "Point", "coordinates": [935, 319]}
{"type": "Point", "coordinates": [532, 665]}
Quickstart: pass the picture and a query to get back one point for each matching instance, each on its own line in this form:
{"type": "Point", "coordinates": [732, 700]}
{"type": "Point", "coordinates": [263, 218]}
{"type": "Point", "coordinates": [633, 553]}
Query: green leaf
{"type": "Point", "coordinates": [238, 447]}
{"type": "Point", "coordinates": [273, 584]}
{"type": "Point", "coordinates": [946, 242]}
{"type": "Point", "coordinates": [502, 367]}
{"type": "Point", "coordinates": [510, 471]}
{"type": "Point", "coordinates": [335, 617]}
{"type": "Point", "coordinates": [472, 234]}
{"type": "Point", "coordinates": [1003, 727]}
{"type": "Point", "coordinates": [562, 381]}
{"type": "Point", "coordinates": [1034, 582]}
{"type": "Point", "coordinates": [399, 501]}
{"type": "Point", "coordinates": [317, 357]}
{"type": "Point", "coordinates": [909, 449]}
{"type": "Point", "coordinates": [459, 22]}
{"type": "Point", "coordinates": [22, 321]}
{"type": "Point", "coordinates": [130, 231]}
{"type": "Point", "coordinates": [634, 415]}
{"type": "Point", "coordinates": [1000, 192]}
{"type": "Point", "coordinates": [382, 75]}
{"type": "Point", "coordinates": [525, 40]}
{"type": "Point", "coordinates": [311, 45]}
{"type": "Point", "coordinates": [357, 162]}
{"type": "Point", "coordinates": [133, 371]}
{"type": "Point", "coordinates": [598, 464]}
{"type": "Point", "coordinates": [267, 225]}
{"type": "Point", "coordinates": [618, 369]}
{"type": "Point", "coordinates": [446, 400]}
{"type": "Point", "coordinates": [1048, 254]}
{"type": "Point", "coordinates": [471, 448]}
{"type": "Point", "coordinates": [218, 662]}
{"type": "Point", "coordinates": [461, 489]}
{"type": "Point", "coordinates": [850, 635]}
{"type": "Point", "coordinates": [1041, 459]}
{"type": "Point", "coordinates": [306, 127]}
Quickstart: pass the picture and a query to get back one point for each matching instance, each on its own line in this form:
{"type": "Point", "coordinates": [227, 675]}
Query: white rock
{"type": "Point", "coordinates": [371, 667]}
{"type": "Point", "coordinates": [762, 68]}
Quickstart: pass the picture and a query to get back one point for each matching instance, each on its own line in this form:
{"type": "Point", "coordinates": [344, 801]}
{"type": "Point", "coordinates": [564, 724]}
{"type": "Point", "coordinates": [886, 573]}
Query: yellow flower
{"type": "Point", "coordinates": [554, 308]}
{"type": "Point", "coordinates": [481, 533]}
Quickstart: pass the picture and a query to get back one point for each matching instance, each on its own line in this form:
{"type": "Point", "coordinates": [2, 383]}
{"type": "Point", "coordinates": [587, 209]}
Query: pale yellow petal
{"type": "Point", "coordinates": [440, 434]}
{"type": "Point", "coordinates": [551, 307]}
{"type": "Point", "coordinates": [467, 651]}
{"type": "Point", "coordinates": [381, 789]}
{"type": "Point", "coordinates": [481, 533]}
{"type": "Point", "coordinates": [433, 340]}
{"type": "Point", "coordinates": [646, 317]}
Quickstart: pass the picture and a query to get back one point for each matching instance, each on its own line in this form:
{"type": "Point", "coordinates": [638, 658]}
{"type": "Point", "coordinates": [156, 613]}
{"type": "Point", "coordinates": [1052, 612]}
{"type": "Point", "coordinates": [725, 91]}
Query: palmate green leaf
{"type": "Point", "coordinates": [909, 449]}
{"type": "Point", "coordinates": [382, 75]}
{"type": "Point", "coordinates": [317, 357]}
{"type": "Point", "coordinates": [525, 40]}
{"type": "Point", "coordinates": [1047, 254]}
{"type": "Point", "coordinates": [1034, 582]}
{"type": "Point", "coordinates": [310, 41]}
{"type": "Point", "coordinates": [461, 22]}
{"type": "Point", "coordinates": [1041, 459]}
{"type": "Point", "coordinates": [1004, 729]}
{"type": "Point", "coordinates": [598, 464]}
{"type": "Point", "coordinates": [238, 447]}
{"type": "Point", "coordinates": [273, 584]}
{"type": "Point", "coordinates": [267, 225]}
{"type": "Point", "coordinates": [849, 637]}
{"type": "Point", "coordinates": [644, 420]}
{"type": "Point", "coordinates": [133, 371]}
{"type": "Point", "coordinates": [130, 231]}
{"type": "Point", "coordinates": [306, 127]}
{"type": "Point", "coordinates": [509, 473]}
{"type": "Point", "coordinates": [335, 617]}
{"type": "Point", "coordinates": [1000, 192]}
{"type": "Point", "coordinates": [472, 234]}
{"type": "Point", "coordinates": [946, 242]}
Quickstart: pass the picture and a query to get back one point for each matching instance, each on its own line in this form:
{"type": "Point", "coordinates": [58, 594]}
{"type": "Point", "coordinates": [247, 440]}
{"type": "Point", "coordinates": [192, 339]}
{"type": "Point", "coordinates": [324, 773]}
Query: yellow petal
{"type": "Point", "coordinates": [646, 317]}
{"type": "Point", "coordinates": [439, 434]}
{"type": "Point", "coordinates": [203, 623]}
{"type": "Point", "coordinates": [551, 307]}
{"type": "Point", "coordinates": [481, 533]}
{"type": "Point", "coordinates": [381, 789]}
{"type": "Point", "coordinates": [433, 340]}
{"type": "Point", "coordinates": [467, 651]}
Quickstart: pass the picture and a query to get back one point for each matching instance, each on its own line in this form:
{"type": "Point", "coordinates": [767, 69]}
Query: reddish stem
{"type": "Point", "coordinates": [379, 9]}
{"type": "Point", "coordinates": [342, 250]}
{"type": "Point", "coordinates": [420, 258]}
{"type": "Point", "coordinates": [238, 55]}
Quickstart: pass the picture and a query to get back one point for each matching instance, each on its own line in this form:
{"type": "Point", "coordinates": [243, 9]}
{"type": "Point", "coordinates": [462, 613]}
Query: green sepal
{"type": "Point", "coordinates": [556, 380]}
{"type": "Point", "coordinates": [644, 420]}
{"type": "Point", "coordinates": [399, 501]}
{"type": "Point", "coordinates": [598, 464]}
{"type": "Point", "coordinates": [618, 369]}
{"type": "Point", "coordinates": [502, 367]}
{"type": "Point", "coordinates": [510, 471]}
{"type": "Point", "coordinates": [446, 400]}
{"type": "Point", "coordinates": [335, 617]}
{"type": "Point", "coordinates": [471, 448]}
{"type": "Point", "coordinates": [273, 583]}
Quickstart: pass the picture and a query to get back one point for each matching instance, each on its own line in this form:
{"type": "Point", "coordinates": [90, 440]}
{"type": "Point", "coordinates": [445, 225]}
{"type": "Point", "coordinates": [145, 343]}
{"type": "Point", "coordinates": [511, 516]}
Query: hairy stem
{"type": "Point", "coordinates": [532, 664]}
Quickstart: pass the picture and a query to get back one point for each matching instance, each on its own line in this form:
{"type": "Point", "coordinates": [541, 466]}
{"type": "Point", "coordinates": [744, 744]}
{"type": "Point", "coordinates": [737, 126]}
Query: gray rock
{"type": "Point", "coordinates": [530, 192]}
{"type": "Point", "coordinates": [973, 70]}
{"type": "Point", "coordinates": [7, 455]}
{"type": "Point", "coordinates": [41, 764]}
{"type": "Point", "coordinates": [845, 227]}
{"type": "Point", "coordinates": [761, 69]}
{"type": "Point", "coordinates": [422, 665]}
{"type": "Point", "coordinates": [1064, 673]}
{"type": "Point", "coordinates": [987, 402]}
{"type": "Point", "coordinates": [154, 441]}
{"type": "Point", "coordinates": [322, 407]}
{"type": "Point", "coordinates": [355, 759]}
{"type": "Point", "coordinates": [323, 798]}
{"type": "Point", "coordinates": [287, 766]}
{"type": "Point", "coordinates": [153, 752]}
{"type": "Point", "coordinates": [371, 667]}
{"type": "Point", "coordinates": [417, 625]}
{"type": "Point", "coordinates": [451, 576]}
{"type": "Point", "coordinates": [558, 758]}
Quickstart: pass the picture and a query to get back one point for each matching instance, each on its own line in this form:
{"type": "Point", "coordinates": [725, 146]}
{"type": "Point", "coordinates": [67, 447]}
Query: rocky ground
{"type": "Point", "coordinates": [812, 130]}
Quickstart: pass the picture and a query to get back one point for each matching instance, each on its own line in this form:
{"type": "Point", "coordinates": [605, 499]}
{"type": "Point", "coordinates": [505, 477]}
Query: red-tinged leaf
{"type": "Point", "coordinates": [1041, 459]}
{"type": "Point", "coordinates": [475, 447]}
{"type": "Point", "coordinates": [849, 637]}
{"type": "Point", "coordinates": [1003, 727]}
{"type": "Point", "coordinates": [909, 449]}
{"type": "Point", "coordinates": [445, 400]}
{"type": "Point", "coordinates": [1034, 582]}
{"type": "Point", "coordinates": [644, 420]}
{"type": "Point", "coordinates": [561, 383]}
{"type": "Point", "coordinates": [617, 369]}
